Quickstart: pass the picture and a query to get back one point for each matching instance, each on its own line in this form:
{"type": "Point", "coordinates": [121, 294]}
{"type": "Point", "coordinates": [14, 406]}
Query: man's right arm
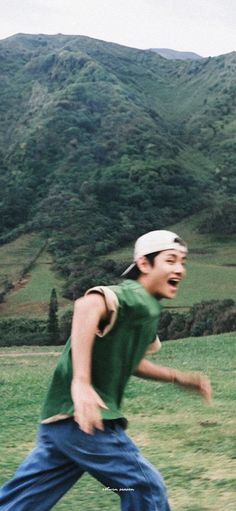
{"type": "Point", "coordinates": [88, 313]}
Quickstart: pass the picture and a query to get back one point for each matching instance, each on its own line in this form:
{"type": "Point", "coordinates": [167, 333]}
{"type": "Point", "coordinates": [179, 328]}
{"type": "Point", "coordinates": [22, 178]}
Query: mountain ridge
{"type": "Point", "coordinates": [169, 54]}
{"type": "Point", "coordinates": [91, 132]}
{"type": "Point", "coordinates": [62, 35]}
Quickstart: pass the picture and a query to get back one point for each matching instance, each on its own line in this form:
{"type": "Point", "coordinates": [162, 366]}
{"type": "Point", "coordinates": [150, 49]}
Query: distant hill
{"type": "Point", "coordinates": [100, 142]}
{"type": "Point", "coordinates": [169, 54]}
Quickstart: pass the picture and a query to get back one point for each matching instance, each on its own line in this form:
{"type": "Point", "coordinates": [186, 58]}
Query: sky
{"type": "Point", "coordinates": [206, 27]}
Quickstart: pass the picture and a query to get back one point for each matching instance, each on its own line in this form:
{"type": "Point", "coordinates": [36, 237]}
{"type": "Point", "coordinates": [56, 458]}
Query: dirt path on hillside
{"type": "Point", "coordinates": [29, 354]}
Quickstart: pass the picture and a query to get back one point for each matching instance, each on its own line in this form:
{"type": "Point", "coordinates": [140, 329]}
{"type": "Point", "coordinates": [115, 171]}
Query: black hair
{"type": "Point", "coordinates": [135, 272]}
{"type": "Point", "coordinates": [180, 242]}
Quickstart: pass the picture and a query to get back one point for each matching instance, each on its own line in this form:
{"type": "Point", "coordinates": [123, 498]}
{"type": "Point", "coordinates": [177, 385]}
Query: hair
{"type": "Point", "coordinates": [180, 242]}
{"type": "Point", "coordinates": [136, 272]}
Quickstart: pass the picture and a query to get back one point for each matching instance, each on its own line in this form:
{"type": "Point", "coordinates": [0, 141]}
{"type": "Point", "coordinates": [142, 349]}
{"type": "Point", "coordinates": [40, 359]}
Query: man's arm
{"type": "Point", "coordinates": [88, 312]}
{"type": "Point", "coordinates": [193, 381]}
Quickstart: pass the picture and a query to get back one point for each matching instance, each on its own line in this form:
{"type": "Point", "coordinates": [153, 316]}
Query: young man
{"type": "Point", "coordinates": [83, 429]}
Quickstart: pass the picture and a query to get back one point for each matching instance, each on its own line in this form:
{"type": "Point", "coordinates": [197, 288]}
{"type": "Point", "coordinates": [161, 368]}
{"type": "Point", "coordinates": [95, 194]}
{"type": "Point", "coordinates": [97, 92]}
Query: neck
{"type": "Point", "coordinates": [147, 284]}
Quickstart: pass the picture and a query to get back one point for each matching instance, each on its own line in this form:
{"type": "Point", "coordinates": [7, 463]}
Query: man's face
{"type": "Point", "coordinates": [164, 276]}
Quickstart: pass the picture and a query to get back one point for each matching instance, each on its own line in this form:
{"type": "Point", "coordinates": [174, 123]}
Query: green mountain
{"type": "Point", "coordinates": [99, 142]}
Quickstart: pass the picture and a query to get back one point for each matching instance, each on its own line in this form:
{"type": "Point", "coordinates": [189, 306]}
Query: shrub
{"type": "Point", "coordinates": [23, 331]}
{"type": "Point", "coordinates": [205, 318]}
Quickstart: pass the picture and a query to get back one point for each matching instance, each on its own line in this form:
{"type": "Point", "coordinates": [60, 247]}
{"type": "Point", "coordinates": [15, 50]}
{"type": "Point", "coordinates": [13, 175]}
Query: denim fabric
{"type": "Point", "coordinates": [64, 452]}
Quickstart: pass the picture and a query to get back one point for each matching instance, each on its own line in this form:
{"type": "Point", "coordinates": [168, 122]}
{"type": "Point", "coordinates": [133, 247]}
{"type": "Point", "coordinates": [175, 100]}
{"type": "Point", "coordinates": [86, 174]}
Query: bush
{"type": "Point", "coordinates": [23, 331]}
{"type": "Point", "coordinates": [227, 322]}
{"type": "Point", "coordinates": [205, 318]}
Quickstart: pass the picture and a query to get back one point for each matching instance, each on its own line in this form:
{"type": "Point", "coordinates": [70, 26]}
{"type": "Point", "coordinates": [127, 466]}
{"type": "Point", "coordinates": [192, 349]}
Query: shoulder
{"type": "Point", "coordinates": [132, 295]}
{"type": "Point", "coordinates": [111, 305]}
{"type": "Point", "coordinates": [91, 303]}
{"type": "Point", "coordinates": [108, 295]}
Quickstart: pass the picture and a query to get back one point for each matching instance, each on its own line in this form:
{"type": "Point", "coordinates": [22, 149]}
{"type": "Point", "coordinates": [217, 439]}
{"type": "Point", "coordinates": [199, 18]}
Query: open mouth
{"type": "Point", "coordinates": [173, 282]}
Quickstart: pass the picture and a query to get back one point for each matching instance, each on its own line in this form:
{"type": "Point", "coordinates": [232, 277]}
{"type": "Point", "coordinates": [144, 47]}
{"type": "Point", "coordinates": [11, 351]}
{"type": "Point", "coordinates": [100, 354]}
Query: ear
{"type": "Point", "coordinates": [143, 265]}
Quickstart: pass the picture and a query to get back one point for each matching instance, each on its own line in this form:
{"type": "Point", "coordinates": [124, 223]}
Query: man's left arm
{"type": "Point", "coordinates": [193, 381]}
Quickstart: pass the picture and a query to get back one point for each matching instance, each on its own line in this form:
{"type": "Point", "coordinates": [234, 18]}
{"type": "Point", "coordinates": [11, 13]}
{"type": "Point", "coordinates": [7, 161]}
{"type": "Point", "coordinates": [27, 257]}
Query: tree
{"type": "Point", "coordinates": [53, 327]}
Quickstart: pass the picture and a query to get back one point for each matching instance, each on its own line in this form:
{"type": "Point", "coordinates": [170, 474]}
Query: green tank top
{"type": "Point", "coordinates": [115, 356]}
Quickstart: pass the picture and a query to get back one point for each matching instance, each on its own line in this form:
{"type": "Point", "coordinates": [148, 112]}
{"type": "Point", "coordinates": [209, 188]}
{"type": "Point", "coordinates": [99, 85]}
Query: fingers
{"type": "Point", "coordinates": [206, 390]}
{"type": "Point", "coordinates": [88, 424]}
{"type": "Point", "coordinates": [87, 405]}
{"type": "Point", "coordinates": [203, 386]}
{"type": "Point", "coordinates": [198, 383]}
{"type": "Point", "coordinates": [101, 403]}
{"type": "Point", "coordinates": [88, 417]}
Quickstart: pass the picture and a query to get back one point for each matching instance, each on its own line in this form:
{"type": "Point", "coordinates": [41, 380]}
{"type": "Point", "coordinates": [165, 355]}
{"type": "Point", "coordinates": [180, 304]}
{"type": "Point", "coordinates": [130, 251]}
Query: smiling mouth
{"type": "Point", "coordinates": [174, 282]}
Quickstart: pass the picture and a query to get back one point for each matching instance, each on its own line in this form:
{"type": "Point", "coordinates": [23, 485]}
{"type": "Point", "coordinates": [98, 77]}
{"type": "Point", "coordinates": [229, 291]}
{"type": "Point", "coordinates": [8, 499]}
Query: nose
{"type": "Point", "coordinates": [180, 269]}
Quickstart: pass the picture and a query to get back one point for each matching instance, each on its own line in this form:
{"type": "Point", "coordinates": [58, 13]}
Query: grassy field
{"type": "Point", "coordinates": [31, 294]}
{"type": "Point", "coordinates": [17, 255]}
{"type": "Point", "coordinates": [192, 444]}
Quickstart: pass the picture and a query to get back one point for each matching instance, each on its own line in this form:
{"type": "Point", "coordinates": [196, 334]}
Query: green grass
{"type": "Point", "coordinates": [41, 282]}
{"type": "Point", "coordinates": [30, 296]}
{"type": "Point", "coordinates": [192, 444]}
{"type": "Point", "coordinates": [38, 290]}
{"type": "Point", "coordinates": [205, 282]}
{"type": "Point", "coordinates": [17, 255]}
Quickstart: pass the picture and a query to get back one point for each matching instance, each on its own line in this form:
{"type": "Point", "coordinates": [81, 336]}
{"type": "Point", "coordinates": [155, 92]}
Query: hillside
{"type": "Point", "coordinates": [27, 278]}
{"type": "Point", "coordinates": [26, 264]}
{"type": "Point", "coordinates": [99, 143]}
{"type": "Point", "coordinates": [168, 53]}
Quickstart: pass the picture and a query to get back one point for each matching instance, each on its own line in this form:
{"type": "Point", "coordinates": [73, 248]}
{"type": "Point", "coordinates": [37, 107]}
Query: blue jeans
{"type": "Point", "coordinates": [64, 452]}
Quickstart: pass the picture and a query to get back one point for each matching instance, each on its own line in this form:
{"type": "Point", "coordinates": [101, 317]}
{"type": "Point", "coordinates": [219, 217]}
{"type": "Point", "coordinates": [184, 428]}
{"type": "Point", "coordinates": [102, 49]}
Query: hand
{"type": "Point", "coordinates": [203, 387]}
{"type": "Point", "coordinates": [86, 406]}
{"type": "Point", "coordinates": [197, 382]}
